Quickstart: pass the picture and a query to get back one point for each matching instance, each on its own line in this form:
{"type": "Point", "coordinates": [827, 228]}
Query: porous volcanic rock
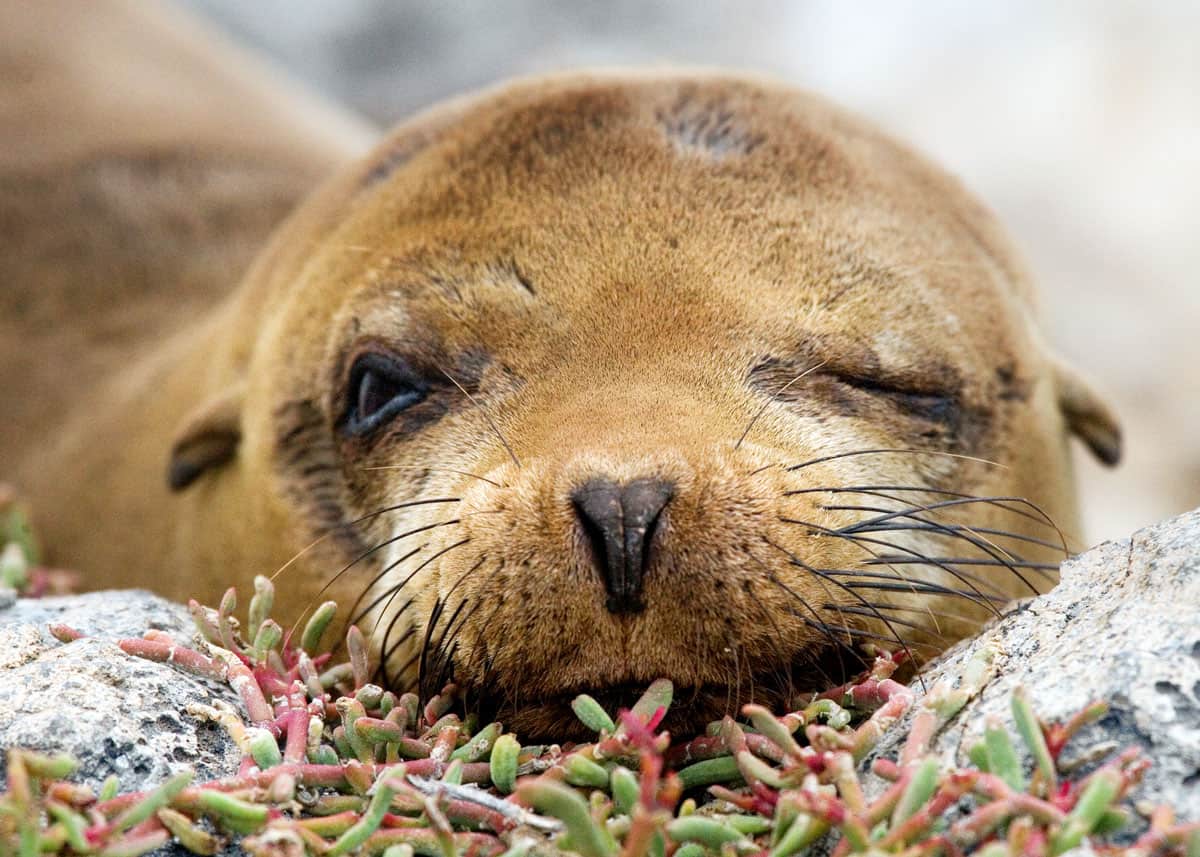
{"type": "Point", "coordinates": [117, 714]}
{"type": "Point", "coordinates": [1122, 626]}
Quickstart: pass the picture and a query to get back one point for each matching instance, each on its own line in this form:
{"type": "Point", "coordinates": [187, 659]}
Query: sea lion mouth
{"type": "Point", "coordinates": [550, 717]}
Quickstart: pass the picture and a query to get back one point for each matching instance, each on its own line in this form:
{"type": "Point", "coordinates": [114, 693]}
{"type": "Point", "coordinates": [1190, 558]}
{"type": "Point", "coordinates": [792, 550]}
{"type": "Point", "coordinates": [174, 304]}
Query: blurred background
{"type": "Point", "coordinates": [1078, 122]}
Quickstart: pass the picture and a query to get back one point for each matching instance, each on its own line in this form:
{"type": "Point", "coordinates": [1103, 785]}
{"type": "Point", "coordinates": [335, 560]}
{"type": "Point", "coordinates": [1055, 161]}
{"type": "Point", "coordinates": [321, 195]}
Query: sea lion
{"type": "Point", "coordinates": [596, 378]}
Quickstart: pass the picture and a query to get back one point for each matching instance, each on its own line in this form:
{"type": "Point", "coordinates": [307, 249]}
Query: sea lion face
{"type": "Point", "coordinates": [599, 380]}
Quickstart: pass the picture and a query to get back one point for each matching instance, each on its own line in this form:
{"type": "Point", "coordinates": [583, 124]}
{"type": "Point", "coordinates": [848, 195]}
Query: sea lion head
{"type": "Point", "coordinates": [596, 379]}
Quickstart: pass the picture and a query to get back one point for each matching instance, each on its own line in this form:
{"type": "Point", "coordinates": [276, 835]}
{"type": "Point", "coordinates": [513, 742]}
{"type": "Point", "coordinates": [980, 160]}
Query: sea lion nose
{"type": "Point", "coordinates": [619, 522]}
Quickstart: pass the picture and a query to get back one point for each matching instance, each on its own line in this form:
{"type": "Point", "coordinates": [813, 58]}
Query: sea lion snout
{"type": "Point", "coordinates": [619, 522]}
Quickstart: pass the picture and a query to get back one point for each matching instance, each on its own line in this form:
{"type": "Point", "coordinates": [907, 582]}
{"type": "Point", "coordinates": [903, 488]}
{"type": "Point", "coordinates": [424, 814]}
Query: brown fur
{"type": "Point", "coordinates": [615, 276]}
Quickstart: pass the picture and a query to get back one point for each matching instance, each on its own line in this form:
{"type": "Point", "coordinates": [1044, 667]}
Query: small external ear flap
{"type": "Point", "coordinates": [209, 437]}
{"type": "Point", "coordinates": [1089, 419]}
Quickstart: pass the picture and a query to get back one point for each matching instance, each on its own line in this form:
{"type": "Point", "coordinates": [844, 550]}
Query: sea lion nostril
{"type": "Point", "coordinates": [619, 522]}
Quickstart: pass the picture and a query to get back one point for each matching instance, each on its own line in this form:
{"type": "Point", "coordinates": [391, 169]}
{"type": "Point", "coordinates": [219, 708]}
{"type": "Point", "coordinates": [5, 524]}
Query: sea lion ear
{"type": "Point", "coordinates": [208, 437]}
{"type": "Point", "coordinates": [1087, 416]}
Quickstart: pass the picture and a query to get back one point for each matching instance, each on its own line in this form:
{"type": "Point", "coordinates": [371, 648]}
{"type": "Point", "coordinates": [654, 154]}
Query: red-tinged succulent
{"type": "Point", "coordinates": [334, 765]}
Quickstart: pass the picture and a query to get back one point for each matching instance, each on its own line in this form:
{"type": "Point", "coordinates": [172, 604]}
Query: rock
{"type": "Point", "coordinates": [1122, 626]}
{"type": "Point", "coordinates": [117, 714]}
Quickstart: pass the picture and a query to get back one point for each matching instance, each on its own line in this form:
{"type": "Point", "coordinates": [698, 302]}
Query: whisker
{"type": "Point", "coordinates": [926, 611]}
{"type": "Point", "coordinates": [872, 635]}
{"type": "Point", "coordinates": [912, 513]}
{"type": "Point", "coordinates": [374, 582]}
{"type": "Point", "coordinates": [366, 517]}
{"type": "Point", "coordinates": [966, 501]}
{"type": "Point", "coordinates": [802, 564]}
{"type": "Point", "coordinates": [859, 542]}
{"type": "Point", "coordinates": [772, 399]}
{"type": "Point", "coordinates": [969, 579]}
{"type": "Point", "coordinates": [430, 626]}
{"type": "Point", "coordinates": [386, 655]}
{"type": "Point", "coordinates": [860, 611]}
{"type": "Point", "coordinates": [837, 643]}
{"type": "Point", "coordinates": [984, 545]}
{"type": "Point", "coordinates": [444, 672]}
{"type": "Point", "coordinates": [968, 594]}
{"type": "Point", "coordinates": [839, 646]}
{"type": "Point", "coordinates": [434, 470]}
{"type": "Point", "coordinates": [780, 656]}
{"type": "Point", "coordinates": [896, 560]}
{"type": "Point", "coordinates": [1041, 516]}
{"type": "Point", "coordinates": [991, 531]}
{"type": "Point", "coordinates": [436, 614]}
{"type": "Point", "coordinates": [394, 591]}
{"type": "Point", "coordinates": [486, 416]}
{"type": "Point", "coordinates": [925, 588]}
{"type": "Point", "coordinates": [364, 555]}
{"type": "Point", "coordinates": [380, 546]}
{"type": "Point", "coordinates": [438, 605]}
{"type": "Point", "coordinates": [838, 455]}
{"type": "Point", "coordinates": [442, 661]}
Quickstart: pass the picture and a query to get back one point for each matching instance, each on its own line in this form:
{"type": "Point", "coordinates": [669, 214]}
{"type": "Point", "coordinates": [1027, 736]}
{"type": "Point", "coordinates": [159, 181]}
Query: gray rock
{"type": "Point", "coordinates": [1122, 626]}
{"type": "Point", "coordinates": [115, 713]}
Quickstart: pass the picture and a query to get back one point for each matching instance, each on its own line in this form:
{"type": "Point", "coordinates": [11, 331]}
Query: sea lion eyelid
{"type": "Point", "coordinates": [378, 388]}
{"type": "Point", "coordinates": [892, 388]}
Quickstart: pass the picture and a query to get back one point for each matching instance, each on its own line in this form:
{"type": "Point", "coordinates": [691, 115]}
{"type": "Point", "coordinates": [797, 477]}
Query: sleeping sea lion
{"type": "Point", "coordinates": [595, 378]}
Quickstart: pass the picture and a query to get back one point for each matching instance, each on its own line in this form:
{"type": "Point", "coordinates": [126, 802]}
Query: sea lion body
{"type": "Point", "coordinates": [597, 378]}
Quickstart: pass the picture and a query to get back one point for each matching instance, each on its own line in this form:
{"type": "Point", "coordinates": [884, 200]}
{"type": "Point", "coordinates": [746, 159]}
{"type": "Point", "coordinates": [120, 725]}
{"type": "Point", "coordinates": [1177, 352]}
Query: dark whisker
{"type": "Point", "coordinates": [926, 611]}
{"type": "Point", "coordinates": [359, 520]}
{"type": "Point", "coordinates": [947, 504]}
{"type": "Point", "coordinates": [920, 586]}
{"type": "Point", "coordinates": [926, 588]}
{"type": "Point", "coordinates": [445, 671]}
{"type": "Point", "coordinates": [970, 580]}
{"type": "Point", "coordinates": [872, 635]}
{"type": "Point", "coordinates": [380, 546]}
{"type": "Point", "coordinates": [903, 560]}
{"type": "Point", "coordinates": [442, 661]}
{"type": "Point", "coordinates": [802, 564]}
{"type": "Point", "coordinates": [396, 590]}
{"type": "Point", "coordinates": [966, 535]}
{"type": "Point", "coordinates": [1040, 517]}
{"type": "Point", "coordinates": [838, 455]}
{"type": "Point", "coordinates": [987, 531]}
{"type": "Point", "coordinates": [780, 656]}
{"type": "Point", "coordinates": [434, 617]}
{"type": "Point", "coordinates": [430, 626]}
{"type": "Point", "coordinates": [386, 655]}
{"type": "Point", "coordinates": [870, 613]}
{"type": "Point", "coordinates": [374, 582]}
{"type": "Point", "coordinates": [838, 644]}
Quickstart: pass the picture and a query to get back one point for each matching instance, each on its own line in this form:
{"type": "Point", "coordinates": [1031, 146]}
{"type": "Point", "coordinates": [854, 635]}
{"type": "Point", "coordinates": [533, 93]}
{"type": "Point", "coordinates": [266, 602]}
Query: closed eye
{"type": "Point", "coordinates": [932, 405]}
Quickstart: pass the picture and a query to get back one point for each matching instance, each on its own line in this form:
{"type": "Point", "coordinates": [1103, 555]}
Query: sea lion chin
{"type": "Point", "coordinates": [594, 379]}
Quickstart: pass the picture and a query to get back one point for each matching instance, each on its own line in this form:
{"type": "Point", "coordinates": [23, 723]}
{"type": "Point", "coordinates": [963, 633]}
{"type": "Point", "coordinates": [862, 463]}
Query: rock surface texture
{"type": "Point", "coordinates": [115, 713]}
{"type": "Point", "coordinates": [1122, 626]}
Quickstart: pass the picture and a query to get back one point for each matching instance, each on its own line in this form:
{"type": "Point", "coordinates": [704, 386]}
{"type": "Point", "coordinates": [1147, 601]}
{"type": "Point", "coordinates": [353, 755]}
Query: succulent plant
{"type": "Point", "coordinates": [334, 765]}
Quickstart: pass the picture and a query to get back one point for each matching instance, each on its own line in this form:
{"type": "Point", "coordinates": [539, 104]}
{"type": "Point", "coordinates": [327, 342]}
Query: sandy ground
{"type": "Point", "coordinates": [1079, 122]}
